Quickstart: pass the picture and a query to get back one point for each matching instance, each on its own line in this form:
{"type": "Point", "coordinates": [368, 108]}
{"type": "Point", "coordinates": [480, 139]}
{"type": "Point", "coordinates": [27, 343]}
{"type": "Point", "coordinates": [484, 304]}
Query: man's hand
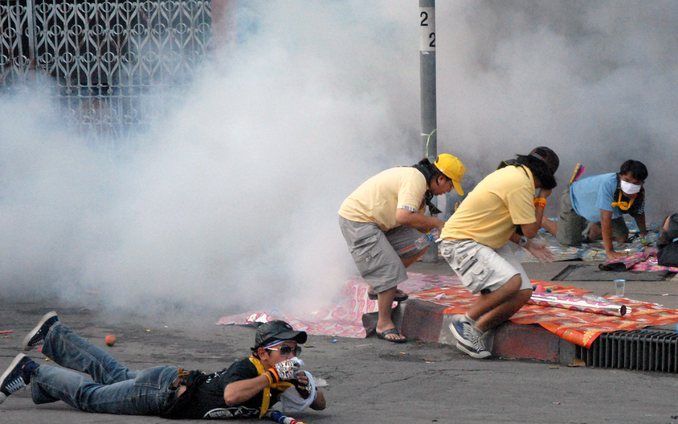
{"type": "Point", "coordinates": [611, 254]}
{"type": "Point", "coordinates": [302, 385]}
{"type": "Point", "coordinates": [539, 251]}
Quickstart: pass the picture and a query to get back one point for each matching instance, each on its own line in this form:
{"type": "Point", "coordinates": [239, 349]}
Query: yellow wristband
{"type": "Point", "coordinates": [540, 201]}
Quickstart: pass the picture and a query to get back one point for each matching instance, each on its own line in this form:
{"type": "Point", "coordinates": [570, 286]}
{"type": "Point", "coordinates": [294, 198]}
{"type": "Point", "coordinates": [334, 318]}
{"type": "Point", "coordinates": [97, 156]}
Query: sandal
{"type": "Point", "coordinates": [384, 336]}
{"type": "Point", "coordinates": [400, 296]}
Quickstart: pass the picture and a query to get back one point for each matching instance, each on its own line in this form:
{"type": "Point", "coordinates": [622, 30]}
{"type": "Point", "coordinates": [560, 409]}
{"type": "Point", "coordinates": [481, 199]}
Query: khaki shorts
{"type": "Point", "coordinates": [379, 255]}
{"type": "Point", "coordinates": [481, 268]}
{"type": "Point", "coordinates": [573, 229]}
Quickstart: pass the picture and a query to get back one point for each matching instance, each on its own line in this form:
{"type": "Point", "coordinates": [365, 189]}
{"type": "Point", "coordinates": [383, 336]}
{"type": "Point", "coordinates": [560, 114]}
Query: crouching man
{"type": "Point", "coordinates": [246, 389]}
{"type": "Point", "coordinates": [506, 206]}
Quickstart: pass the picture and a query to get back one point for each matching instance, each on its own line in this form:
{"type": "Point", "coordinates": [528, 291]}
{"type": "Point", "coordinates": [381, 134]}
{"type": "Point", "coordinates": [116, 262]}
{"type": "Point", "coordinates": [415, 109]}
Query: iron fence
{"type": "Point", "coordinates": [107, 58]}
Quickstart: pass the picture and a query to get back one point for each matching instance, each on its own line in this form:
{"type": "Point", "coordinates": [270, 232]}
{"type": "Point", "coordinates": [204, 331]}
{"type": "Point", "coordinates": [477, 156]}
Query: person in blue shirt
{"type": "Point", "coordinates": [593, 208]}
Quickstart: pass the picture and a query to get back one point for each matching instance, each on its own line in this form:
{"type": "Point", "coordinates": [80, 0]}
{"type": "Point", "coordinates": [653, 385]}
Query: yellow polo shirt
{"type": "Point", "coordinates": [377, 199]}
{"type": "Point", "coordinates": [490, 212]}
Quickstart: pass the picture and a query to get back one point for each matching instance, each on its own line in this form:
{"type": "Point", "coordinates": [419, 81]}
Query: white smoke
{"type": "Point", "coordinates": [230, 200]}
{"type": "Point", "coordinates": [593, 80]}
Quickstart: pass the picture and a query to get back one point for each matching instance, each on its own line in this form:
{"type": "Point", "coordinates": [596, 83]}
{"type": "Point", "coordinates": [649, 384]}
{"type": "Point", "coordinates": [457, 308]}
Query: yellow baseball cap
{"type": "Point", "coordinates": [452, 167]}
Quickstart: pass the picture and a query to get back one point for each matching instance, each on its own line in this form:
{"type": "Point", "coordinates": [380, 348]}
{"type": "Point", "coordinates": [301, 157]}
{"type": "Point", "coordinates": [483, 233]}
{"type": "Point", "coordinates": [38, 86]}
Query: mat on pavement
{"type": "Point", "coordinates": [581, 328]}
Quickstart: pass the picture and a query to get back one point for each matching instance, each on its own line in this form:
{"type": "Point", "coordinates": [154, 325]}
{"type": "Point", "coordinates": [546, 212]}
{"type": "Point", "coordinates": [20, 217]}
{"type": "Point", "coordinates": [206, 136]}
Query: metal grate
{"type": "Point", "coordinates": [643, 350]}
{"type": "Point", "coordinates": [106, 57]}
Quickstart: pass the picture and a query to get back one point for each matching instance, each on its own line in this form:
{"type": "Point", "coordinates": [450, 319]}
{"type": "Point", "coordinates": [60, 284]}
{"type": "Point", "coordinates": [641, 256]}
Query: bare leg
{"type": "Point", "coordinates": [385, 321]}
{"type": "Point", "coordinates": [409, 261]}
{"type": "Point", "coordinates": [595, 233]}
{"type": "Point", "coordinates": [487, 302]}
{"type": "Point", "coordinates": [504, 311]}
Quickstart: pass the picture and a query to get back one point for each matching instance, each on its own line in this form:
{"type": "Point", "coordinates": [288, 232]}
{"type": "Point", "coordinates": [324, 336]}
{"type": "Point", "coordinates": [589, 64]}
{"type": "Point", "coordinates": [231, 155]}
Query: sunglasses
{"type": "Point", "coordinates": [286, 350]}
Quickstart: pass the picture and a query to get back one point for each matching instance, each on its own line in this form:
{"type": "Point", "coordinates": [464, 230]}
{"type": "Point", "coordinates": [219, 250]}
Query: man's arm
{"type": "Point", "coordinates": [238, 392]}
{"type": "Point", "coordinates": [417, 220]}
{"type": "Point", "coordinates": [530, 230]}
{"type": "Point", "coordinates": [640, 221]}
{"type": "Point", "coordinates": [319, 401]}
{"type": "Point", "coordinates": [606, 234]}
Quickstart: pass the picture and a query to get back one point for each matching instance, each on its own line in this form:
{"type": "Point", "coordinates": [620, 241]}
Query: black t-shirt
{"type": "Point", "coordinates": [207, 399]}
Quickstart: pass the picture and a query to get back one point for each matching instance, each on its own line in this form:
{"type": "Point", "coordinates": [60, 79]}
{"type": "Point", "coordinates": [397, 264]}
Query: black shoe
{"type": "Point", "coordinates": [38, 333]}
{"type": "Point", "coordinates": [12, 380]}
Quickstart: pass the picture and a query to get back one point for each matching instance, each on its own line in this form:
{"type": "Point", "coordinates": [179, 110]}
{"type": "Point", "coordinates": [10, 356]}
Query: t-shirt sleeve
{"type": "Point", "coordinates": [520, 203]}
{"type": "Point", "coordinates": [241, 370]}
{"type": "Point", "coordinates": [411, 193]}
{"type": "Point", "coordinates": [606, 194]}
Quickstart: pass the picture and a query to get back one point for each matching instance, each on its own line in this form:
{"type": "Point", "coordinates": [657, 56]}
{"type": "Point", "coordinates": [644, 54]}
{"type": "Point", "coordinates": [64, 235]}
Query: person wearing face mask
{"type": "Point", "coordinates": [383, 223]}
{"type": "Point", "coordinates": [594, 208]}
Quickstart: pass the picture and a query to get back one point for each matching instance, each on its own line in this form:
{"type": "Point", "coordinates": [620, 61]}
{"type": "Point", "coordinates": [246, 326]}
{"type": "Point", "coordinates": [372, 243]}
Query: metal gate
{"type": "Point", "coordinates": [106, 58]}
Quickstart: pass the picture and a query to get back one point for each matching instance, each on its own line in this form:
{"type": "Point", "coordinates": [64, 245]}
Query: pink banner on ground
{"type": "Point", "coordinates": [582, 328]}
{"type": "Point", "coordinates": [344, 318]}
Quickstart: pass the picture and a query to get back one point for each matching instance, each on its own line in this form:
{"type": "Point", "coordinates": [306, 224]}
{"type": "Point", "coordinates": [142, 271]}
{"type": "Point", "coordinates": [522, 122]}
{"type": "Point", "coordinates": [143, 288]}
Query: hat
{"type": "Point", "coordinates": [277, 330]}
{"type": "Point", "coordinates": [452, 168]}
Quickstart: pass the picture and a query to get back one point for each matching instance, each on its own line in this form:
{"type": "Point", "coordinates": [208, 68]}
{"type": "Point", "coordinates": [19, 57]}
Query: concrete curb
{"type": "Point", "coordinates": [426, 321]}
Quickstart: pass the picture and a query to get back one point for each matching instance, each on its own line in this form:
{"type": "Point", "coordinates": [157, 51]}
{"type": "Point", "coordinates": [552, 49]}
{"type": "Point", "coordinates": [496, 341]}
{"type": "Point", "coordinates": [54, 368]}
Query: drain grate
{"type": "Point", "coordinates": [644, 350]}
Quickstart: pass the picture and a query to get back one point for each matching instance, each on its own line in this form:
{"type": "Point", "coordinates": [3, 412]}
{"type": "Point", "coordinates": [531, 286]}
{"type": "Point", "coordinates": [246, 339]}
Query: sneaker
{"type": "Point", "coordinates": [469, 339]}
{"type": "Point", "coordinates": [12, 380]}
{"type": "Point", "coordinates": [38, 333]}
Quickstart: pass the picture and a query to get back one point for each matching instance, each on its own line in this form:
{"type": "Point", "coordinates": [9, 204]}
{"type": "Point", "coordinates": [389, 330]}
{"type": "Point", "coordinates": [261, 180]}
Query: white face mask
{"type": "Point", "coordinates": [630, 188]}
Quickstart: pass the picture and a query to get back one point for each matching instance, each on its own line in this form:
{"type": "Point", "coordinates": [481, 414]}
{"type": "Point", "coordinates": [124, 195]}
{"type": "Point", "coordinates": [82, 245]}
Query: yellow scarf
{"type": "Point", "coordinates": [622, 205]}
{"type": "Point", "coordinates": [266, 395]}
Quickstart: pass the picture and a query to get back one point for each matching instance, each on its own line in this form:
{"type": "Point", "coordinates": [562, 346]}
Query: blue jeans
{"type": "Point", "coordinates": [112, 388]}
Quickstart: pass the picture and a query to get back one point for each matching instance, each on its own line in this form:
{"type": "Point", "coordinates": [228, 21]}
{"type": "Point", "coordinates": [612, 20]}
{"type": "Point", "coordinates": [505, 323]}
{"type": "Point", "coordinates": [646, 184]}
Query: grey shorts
{"type": "Point", "coordinates": [573, 229]}
{"type": "Point", "coordinates": [379, 255]}
{"type": "Point", "coordinates": [482, 268]}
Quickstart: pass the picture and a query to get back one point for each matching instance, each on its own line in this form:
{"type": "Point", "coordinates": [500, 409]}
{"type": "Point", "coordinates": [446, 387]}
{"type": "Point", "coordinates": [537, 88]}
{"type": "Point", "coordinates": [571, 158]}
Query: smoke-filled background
{"type": "Point", "coordinates": [229, 201]}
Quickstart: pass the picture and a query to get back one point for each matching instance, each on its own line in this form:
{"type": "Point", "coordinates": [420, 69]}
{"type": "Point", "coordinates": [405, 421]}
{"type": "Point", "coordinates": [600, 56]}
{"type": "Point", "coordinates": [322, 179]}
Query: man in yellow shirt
{"type": "Point", "coordinates": [507, 205]}
{"type": "Point", "coordinates": [383, 220]}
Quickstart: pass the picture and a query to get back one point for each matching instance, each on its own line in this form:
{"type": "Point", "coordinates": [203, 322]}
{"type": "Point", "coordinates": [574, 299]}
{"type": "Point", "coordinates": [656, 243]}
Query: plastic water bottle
{"type": "Point", "coordinates": [421, 242]}
{"type": "Point", "coordinates": [427, 239]}
{"type": "Point", "coordinates": [298, 363]}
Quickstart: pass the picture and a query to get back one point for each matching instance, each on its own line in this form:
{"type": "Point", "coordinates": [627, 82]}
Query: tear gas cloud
{"type": "Point", "coordinates": [596, 81]}
{"type": "Point", "coordinates": [229, 201]}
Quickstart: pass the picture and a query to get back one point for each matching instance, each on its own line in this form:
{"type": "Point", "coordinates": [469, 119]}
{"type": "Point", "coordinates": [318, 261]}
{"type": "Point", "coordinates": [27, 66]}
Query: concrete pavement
{"type": "Point", "coordinates": [369, 380]}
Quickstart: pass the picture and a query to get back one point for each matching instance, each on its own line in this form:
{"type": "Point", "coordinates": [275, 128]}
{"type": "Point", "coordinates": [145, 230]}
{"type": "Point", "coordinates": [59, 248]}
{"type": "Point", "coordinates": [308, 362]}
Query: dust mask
{"type": "Point", "coordinates": [629, 188]}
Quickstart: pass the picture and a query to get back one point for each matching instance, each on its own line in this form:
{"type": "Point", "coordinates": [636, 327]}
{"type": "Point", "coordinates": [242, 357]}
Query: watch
{"type": "Point", "coordinates": [523, 241]}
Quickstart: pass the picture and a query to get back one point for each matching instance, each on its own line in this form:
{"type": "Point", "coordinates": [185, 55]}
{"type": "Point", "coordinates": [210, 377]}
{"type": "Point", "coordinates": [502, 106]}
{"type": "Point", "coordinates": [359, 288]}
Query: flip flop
{"type": "Point", "coordinates": [400, 296]}
{"type": "Point", "coordinates": [395, 331]}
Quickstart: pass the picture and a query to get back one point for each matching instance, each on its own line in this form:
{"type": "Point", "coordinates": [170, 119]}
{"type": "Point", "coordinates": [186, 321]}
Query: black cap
{"type": "Point", "coordinates": [277, 330]}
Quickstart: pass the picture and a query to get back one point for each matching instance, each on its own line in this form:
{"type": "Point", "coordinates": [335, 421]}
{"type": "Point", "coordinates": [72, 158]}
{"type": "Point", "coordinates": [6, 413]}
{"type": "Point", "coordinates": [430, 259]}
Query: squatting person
{"type": "Point", "coordinates": [382, 221]}
{"type": "Point", "coordinates": [507, 205]}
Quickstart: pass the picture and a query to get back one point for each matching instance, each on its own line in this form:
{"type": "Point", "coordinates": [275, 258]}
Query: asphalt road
{"type": "Point", "coordinates": [369, 381]}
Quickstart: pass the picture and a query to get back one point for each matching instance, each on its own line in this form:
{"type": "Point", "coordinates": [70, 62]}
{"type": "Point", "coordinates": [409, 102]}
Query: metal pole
{"type": "Point", "coordinates": [427, 70]}
{"type": "Point", "coordinates": [427, 76]}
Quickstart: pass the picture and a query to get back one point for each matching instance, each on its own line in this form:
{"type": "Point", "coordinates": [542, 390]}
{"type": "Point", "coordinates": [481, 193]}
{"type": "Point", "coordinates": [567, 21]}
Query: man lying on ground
{"type": "Point", "coordinates": [246, 389]}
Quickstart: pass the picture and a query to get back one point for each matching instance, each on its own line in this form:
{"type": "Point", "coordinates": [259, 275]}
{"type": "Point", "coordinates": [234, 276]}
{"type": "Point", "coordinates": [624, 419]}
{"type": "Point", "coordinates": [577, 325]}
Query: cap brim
{"type": "Point", "coordinates": [298, 336]}
{"type": "Point", "coordinates": [457, 187]}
